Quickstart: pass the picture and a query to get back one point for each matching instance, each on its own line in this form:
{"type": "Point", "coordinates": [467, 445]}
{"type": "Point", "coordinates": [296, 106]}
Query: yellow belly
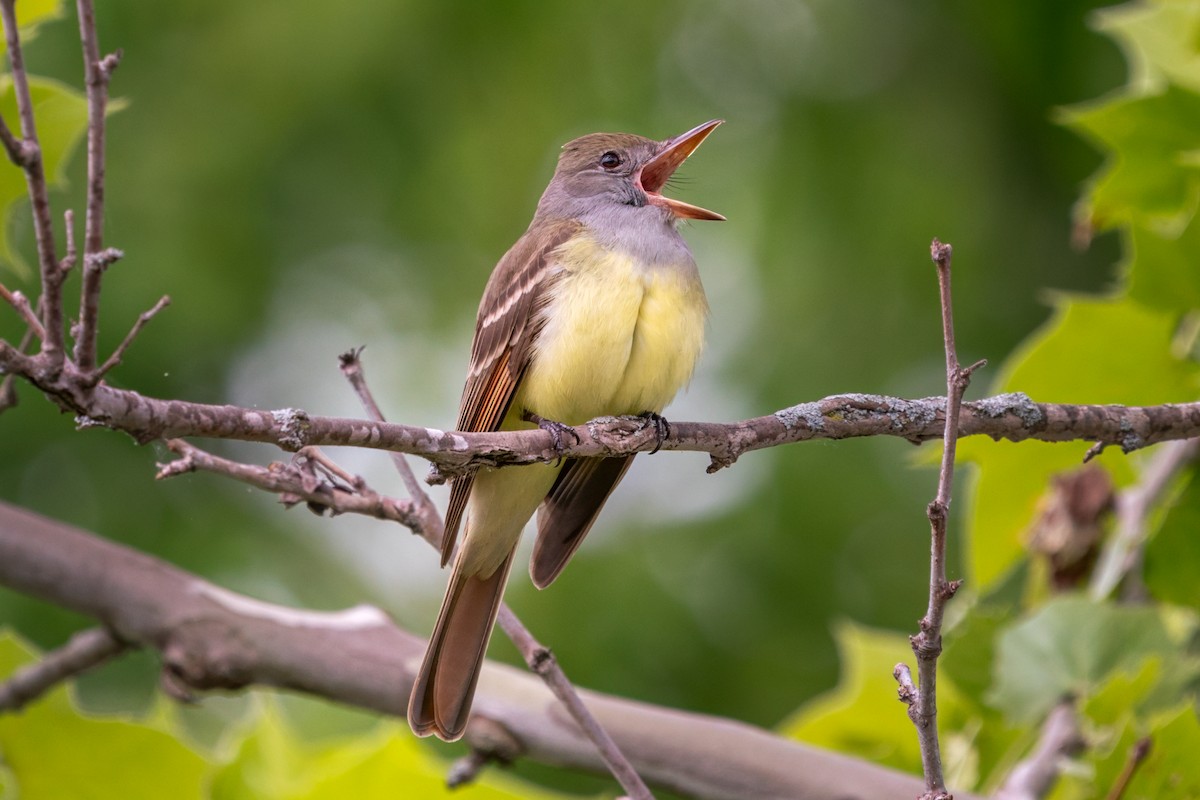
{"type": "Point", "coordinates": [618, 338]}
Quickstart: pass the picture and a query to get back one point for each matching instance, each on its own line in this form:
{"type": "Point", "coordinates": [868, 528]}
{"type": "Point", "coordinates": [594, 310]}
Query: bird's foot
{"type": "Point", "coordinates": [662, 428]}
{"type": "Point", "coordinates": [557, 430]}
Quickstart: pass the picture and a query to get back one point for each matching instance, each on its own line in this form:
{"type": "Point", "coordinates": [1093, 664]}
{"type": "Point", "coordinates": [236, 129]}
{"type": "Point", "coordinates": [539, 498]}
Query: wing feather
{"type": "Point", "coordinates": [569, 510]}
{"type": "Point", "coordinates": [506, 331]}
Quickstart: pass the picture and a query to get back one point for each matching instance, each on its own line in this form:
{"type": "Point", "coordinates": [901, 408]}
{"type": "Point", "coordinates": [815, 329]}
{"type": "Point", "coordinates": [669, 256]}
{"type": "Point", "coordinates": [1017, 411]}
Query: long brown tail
{"type": "Point", "coordinates": [442, 694]}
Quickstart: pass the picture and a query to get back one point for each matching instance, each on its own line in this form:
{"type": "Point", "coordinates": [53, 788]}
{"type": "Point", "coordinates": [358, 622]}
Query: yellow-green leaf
{"type": "Point", "coordinates": [61, 118]}
{"type": "Point", "coordinates": [269, 762]}
{"type": "Point", "coordinates": [50, 750]}
{"type": "Point", "coordinates": [1091, 351]}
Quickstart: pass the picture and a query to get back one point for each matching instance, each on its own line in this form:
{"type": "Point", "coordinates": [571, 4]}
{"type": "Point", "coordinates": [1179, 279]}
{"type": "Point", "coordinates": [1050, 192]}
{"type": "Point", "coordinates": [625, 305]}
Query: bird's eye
{"type": "Point", "coordinates": [610, 160]}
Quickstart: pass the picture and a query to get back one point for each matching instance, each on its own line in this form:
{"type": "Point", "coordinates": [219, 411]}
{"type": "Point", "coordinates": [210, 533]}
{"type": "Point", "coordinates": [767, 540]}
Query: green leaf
{"type": "Point", "coordinates": [1070, 647]}
{"type": "Point", "coordinates": [50, 750]}
{"type": "Point", "coordinates": [1162, 270]}
{"type": "Point", "coordinates": [970, 648]}
{"type": "Point", "coordinates": [1172, 556]}
{"type": "Point", "coordinates": [1159, 39]}
{"type": "Point", "coordinates": [269, 762]}
{"type": "Point", "coordinates": [1113, 703]}
{"type": "Point", "coordinates": [1090, 351]}
{"type": "Point", "coordinates": [30, 15]}
{"type": "Point", "coordinates": [1170, 771]}
{"type": "Point", "coordinates": [61, 114]}
{"type": "Point", "coordinates": [1151, 174]}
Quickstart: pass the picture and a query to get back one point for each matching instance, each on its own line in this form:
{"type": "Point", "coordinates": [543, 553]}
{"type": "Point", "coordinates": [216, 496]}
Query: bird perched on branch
{"type": "Point", "coordinates": [596, 310]}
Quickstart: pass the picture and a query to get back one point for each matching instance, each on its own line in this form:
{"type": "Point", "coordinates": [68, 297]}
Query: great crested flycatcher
{"type": "Point", "coordinates": [597, 309]}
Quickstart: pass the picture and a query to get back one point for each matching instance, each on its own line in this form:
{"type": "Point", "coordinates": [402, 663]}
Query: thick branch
{"type": "Point", "coordinates": [211, 638]}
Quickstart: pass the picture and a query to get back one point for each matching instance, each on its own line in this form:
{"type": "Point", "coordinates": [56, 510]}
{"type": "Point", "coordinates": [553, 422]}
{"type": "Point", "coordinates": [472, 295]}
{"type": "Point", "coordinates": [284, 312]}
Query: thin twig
{"type": "Point", "coordinates": [15, 148]}
{"type": "Point", "coordinates": [20, 302]}
{"type": "Point", "coordinates": [927, 644]}
{"type": "Point", "coordinates": [35, 179]}
{"type": "Point", "coordinates": [142, 319]}
{"type": "Point", "coordinates": [86, 649]}
{"type": "Point", "coordinates": [293, 483]}
{"type": "Point", "coordinates": [96, 76]}
{"type": "Point", "coordinates": [431, 528]}
{"type": "Point", "coordinates": [542, 663]}
{"type": "Point", "coordinates": [1123, 551]}
{"type": "Point", "coordinates": [538, 657]}
{"type": "Point", "coordinates": [8, 393]}
{"type": "Point", "coordinates": [1137, 754]}
{"type": "Point", "coordinates": [68, 261]}
{"type": "Point", "coordinates": [491, 743]}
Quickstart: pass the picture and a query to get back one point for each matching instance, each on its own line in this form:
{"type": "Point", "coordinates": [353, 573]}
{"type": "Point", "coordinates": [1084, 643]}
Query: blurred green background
{"type": "Point", "coordinates": [303, 178]}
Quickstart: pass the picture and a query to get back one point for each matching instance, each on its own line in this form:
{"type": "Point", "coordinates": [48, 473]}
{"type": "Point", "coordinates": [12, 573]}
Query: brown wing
{"type": "Point", "coordinates": [569, 510]}
{"type": "Point", "coordinates": [505, 332]}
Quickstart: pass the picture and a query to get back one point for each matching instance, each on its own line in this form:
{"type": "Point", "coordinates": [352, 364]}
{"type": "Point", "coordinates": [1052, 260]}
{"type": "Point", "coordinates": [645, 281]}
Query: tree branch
{"type": "Point", "coordinates": [1013, 417]}
{"type": "Point", "coordinates": [35, 181]}
{"type": "Point", "coordinates": [211, 638]}
{"type": "Point", "coordinates": [296, 482]}
{"type": "Point", "coordinates": [430, 520]}
{"type": "Point", "coordinates": [1134, 507]}
{"type": "Point", "coordinates": [143, 318]}
{"type": "Point", "coordinates": [1034, 777]}
{"type": "Point", "coordinates": [86, 649]}
{"type": "Point", "coordinates": [927, 645]}
{"type": "Point", "coordinates": [96, 259]}
{"type": "Point", "coordinates": [20, 304]}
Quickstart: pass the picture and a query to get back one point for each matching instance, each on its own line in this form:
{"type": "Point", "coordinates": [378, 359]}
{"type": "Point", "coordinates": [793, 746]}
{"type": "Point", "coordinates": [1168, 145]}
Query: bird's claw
{"type": "Point", "coordinates": [662, 428]}
{"type": "Point", "coordinates": [557, 431]}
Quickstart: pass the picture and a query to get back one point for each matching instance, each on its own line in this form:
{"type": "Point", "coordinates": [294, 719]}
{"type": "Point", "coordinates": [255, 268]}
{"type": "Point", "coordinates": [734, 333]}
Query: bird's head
{"type": "Point", "coordinates": [624, 169]}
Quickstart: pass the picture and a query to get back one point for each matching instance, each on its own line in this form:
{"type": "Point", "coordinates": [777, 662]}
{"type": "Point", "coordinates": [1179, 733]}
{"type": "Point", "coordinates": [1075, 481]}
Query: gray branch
{"type": "Point", "coordinates": [1014, 417]}
{"type": "Point", "coordinates": [211, 638]}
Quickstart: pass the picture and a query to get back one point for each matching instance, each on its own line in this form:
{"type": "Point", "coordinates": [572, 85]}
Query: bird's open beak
{"type": "Point", "coordinates": [655, 173]}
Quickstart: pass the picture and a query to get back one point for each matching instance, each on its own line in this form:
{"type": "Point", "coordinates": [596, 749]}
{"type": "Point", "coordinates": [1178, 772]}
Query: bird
{"type": "Point", "coordinates": [598, 309]}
